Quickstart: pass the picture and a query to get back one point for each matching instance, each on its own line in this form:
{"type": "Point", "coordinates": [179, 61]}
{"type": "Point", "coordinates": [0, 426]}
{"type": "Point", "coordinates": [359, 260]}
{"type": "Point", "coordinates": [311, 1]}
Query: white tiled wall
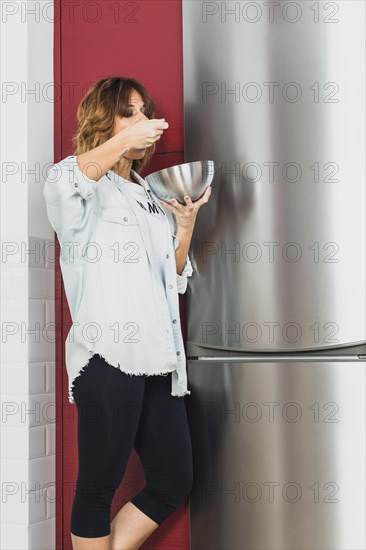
{"type": "Point", "coordinates": [27, 371]}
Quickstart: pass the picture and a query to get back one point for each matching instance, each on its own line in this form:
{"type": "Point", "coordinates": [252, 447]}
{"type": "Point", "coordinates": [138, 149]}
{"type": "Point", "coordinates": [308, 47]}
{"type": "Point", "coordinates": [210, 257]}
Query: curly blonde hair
{"type": "Point", "coordinates": [96, 111]}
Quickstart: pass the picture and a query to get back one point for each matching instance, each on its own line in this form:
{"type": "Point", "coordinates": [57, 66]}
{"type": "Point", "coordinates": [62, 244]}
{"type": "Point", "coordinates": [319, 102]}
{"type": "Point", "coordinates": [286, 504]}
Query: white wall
{"type": "Point", "coordinates": [27, 279]}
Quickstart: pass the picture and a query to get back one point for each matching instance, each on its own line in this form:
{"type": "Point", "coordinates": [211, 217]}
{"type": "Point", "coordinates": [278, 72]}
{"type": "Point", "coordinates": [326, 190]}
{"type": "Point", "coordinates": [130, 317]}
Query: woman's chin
{"type": "Point", "coordinates": [139, 151]}
{"type": "Point", "coordinates": [136, 154]}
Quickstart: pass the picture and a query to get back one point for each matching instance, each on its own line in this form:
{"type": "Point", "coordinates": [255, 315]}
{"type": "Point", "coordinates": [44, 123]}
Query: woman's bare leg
{"type": "Point", "coordinates": [130, 528]}
{"type": "Point", "coordinates": [100, 543]}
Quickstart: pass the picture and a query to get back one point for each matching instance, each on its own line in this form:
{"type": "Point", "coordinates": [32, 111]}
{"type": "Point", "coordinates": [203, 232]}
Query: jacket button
{"type": "Point", "coordinates": [170, 286]}
{"type": "Point", "coordinates": [167, 255]}
{"type": "Point", "coordinates": [178, 352]}
{"type": "Point", "coordinates": [125, 219]}
{"type": "Point", "coordinates": [76, 185]}
{"type": "Point", "coordinates": [174, 320]}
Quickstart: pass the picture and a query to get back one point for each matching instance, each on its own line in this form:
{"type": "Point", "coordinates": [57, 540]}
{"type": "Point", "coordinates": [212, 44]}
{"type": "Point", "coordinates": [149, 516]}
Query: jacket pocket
{"type": "Point", "coordinates": [116, 214]}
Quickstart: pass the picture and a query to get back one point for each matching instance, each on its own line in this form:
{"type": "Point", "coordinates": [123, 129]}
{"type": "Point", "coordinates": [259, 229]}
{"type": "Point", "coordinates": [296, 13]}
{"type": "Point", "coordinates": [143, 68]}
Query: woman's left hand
{"type": "Point", "coordinates": [186, 214]}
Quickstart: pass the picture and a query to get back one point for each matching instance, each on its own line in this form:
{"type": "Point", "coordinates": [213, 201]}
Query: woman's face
{"type": "Point", "coordinates": [137, 113]}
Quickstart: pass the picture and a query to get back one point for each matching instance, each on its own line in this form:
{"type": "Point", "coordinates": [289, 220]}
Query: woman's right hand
{"type": "Point", "coordinates": [145, 132]}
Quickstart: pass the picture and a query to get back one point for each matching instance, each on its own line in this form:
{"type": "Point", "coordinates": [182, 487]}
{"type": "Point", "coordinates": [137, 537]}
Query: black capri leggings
{"type": "Point", "coordinates": [116, 412]}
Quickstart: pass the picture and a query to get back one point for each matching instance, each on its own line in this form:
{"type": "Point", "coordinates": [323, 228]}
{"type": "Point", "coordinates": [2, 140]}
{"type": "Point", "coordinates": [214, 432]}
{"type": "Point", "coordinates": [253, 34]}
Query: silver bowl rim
{"type": "Point", "coordinates": [183, 164]}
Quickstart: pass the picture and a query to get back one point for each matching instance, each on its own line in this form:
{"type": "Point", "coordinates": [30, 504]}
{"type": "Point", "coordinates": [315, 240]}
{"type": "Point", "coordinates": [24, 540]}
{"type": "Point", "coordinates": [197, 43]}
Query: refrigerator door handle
{"type": "Point", "coordinates": [269, 358]}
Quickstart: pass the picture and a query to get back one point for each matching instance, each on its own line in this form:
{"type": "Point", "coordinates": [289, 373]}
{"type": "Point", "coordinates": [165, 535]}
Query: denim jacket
{"type": "Point", "coordinates": [119, 307]}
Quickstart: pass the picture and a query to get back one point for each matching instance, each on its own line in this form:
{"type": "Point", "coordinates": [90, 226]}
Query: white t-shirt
{"type": "Point", "coordinates": [155, 215]}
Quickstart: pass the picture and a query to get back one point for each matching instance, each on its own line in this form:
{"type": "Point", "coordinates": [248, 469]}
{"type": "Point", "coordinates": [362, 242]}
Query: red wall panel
{"type": "Point", "coordinates": [94, 40]}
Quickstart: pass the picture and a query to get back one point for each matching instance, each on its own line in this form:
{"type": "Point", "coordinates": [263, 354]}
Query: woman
{"type": "Point", "coordinates": [123, 268]}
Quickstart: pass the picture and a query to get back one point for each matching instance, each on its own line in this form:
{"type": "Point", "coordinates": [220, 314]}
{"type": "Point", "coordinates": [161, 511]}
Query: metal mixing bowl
{"type": "Point", "coordinates": [191, 178]}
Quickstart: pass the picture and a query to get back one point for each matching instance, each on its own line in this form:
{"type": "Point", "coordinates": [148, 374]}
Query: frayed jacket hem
{"type": "Point", "coordinates": [179, 391]}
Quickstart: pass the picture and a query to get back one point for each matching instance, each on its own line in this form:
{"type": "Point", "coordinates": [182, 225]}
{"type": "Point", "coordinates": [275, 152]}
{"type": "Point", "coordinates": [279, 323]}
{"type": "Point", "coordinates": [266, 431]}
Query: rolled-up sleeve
{"type": "Point", "coordinates": [65, 191]}
{"type": "Point", "coordinates": [182, 279]}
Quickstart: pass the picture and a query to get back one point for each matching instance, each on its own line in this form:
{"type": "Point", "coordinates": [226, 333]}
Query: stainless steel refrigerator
{"type": "Point", "coordinates": [274, 94]}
